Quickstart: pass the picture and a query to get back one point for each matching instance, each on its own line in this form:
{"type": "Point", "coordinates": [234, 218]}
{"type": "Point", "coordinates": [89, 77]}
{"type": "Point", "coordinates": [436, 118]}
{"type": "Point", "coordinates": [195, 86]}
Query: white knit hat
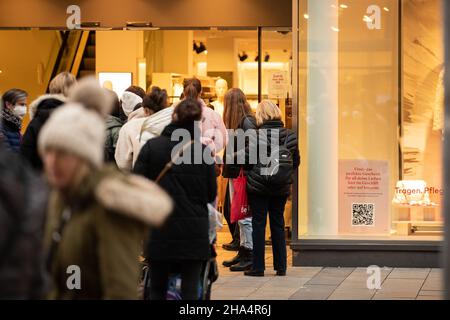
{"type": "Point", "coordinates": [76, 130]}
{"type": "Point", "coordinates": [129, 101]}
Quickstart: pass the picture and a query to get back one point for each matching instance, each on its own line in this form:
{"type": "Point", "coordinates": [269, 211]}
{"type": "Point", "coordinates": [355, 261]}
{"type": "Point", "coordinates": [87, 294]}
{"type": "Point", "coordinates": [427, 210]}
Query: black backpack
{"type": "Point", "coordinates": [280, 167]}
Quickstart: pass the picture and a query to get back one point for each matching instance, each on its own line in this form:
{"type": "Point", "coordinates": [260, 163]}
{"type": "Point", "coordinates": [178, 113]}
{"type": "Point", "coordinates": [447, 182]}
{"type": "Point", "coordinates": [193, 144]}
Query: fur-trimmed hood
{"type": "Point", "coordinates": [136, 197]}
{"type": "Point", "coordinates": [34, 105]}
{"type": "Point", "coordinates": [112, 211]}
{"type": "Point", "coordinates": [92, 96]}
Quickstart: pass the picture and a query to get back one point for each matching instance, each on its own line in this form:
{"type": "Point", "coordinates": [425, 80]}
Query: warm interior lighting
{"type": "Point", "coordinates": [306, 16]}
{"type": "Point", "coordinates": [142, 72]}
{"type": "Point", "coordinates": [119, 81]}
{"type": "Point", "coordinates": [343, 6]}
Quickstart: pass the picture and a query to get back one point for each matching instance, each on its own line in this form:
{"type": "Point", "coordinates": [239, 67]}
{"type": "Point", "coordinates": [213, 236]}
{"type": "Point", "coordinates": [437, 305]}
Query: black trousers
{"type": "Point", "coordinates": [234, 227]}
{"type": "Point", "coordinates": [190, 279]}
{"type": "Point", "coordinates": [274, 205]}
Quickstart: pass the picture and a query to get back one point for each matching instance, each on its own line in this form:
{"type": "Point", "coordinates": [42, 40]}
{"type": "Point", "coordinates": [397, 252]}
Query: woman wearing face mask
{"type": "Point", "coordinates": [13, 109]}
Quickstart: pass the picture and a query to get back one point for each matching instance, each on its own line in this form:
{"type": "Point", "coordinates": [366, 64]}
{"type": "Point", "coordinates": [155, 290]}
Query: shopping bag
{"type": "Point", "coordinates": [239, 205]}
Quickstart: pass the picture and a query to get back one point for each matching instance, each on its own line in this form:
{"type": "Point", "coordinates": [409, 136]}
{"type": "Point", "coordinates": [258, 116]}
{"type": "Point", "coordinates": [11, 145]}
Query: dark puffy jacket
{"type": "Point", "coordinates": [231, 170]}
{"type": "Point", "coordinates": [23, 198]}
{"type": "Point", "coordinates": [184, 236]}
{"type": "Point", "coordinates": [11, 135]}
{"type": "Point", "coordinates": [44, 106]}
{"type": "Point", "coordinates": [256, 184]}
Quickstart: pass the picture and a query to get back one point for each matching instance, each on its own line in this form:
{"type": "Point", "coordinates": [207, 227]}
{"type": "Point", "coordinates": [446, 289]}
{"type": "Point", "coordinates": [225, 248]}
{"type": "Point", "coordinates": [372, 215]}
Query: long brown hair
{"type": "Point", "coordinates": [236, 108]}
{"type": "Point", "coordinates": [192, 88]}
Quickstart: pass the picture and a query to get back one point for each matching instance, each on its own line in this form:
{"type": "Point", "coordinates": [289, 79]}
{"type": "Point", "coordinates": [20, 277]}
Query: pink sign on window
{"type": "Point", "coordinates": [364, 197]}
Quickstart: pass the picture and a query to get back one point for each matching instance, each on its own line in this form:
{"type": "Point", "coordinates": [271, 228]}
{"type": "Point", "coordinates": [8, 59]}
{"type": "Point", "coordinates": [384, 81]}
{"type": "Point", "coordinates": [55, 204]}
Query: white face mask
{"type": "Point", "coordinates": [20, 111]}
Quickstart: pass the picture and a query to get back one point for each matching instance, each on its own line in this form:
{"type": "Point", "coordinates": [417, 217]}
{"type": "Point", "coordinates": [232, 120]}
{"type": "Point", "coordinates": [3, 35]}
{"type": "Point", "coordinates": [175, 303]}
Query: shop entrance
{"type": "Point", "coordinates": [257, 60]}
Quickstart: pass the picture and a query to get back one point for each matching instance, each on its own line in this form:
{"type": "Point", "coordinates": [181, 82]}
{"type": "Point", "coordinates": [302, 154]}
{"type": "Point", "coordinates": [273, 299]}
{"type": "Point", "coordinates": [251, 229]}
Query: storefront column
{"type": "Point", "coordinates": [446, 173]}
{"type": "Point", "coordinates": [322, 121]}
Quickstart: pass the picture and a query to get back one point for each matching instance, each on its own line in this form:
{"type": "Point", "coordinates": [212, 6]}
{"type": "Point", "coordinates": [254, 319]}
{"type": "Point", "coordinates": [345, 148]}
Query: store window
{"type": "Point", "coordinates": [370, 116]}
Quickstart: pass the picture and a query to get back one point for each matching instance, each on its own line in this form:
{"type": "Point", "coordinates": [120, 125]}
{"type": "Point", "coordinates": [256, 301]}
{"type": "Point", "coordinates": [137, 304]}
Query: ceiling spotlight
{"type": "Point", "coordinates": [243, 56]}
{"type": "Point", "coordinates": [199, 48]}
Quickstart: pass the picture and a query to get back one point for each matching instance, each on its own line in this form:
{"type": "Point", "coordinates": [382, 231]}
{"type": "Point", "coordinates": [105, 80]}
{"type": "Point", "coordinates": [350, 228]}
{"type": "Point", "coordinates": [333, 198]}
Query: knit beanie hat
{"type": "Point", "coordinates": [76, 130]}
{"type": "Point", "coordinates": [129, 101]}
{"type": "Point", "coordinates": [91, 95]}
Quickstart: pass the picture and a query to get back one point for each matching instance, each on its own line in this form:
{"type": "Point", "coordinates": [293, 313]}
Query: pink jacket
{"type": "Point", "coordinates": [214, 132]}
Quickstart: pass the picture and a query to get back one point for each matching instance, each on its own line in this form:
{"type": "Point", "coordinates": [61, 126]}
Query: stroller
{"type": "Point", "coordinates": [210, 270]}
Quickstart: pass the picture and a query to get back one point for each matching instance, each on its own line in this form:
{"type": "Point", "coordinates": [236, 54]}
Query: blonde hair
{"type": "Point", "coordinates": [62, 83]}
{"type": "Point", "coordinates": [267, 110]}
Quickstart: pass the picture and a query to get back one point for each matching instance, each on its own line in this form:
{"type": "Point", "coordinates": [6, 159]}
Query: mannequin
{"type": "Point", "coordinates": [108, 85]}
{"type": "Point", "coordinates": [221, 89]}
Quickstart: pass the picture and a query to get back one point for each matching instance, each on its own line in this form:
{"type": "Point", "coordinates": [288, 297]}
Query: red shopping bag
{"type": "Point", "coordinates": [239, 206]}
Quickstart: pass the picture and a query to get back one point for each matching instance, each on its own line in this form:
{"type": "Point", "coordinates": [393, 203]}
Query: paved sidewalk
{"type": "Point", "coordinates": [316, 283]}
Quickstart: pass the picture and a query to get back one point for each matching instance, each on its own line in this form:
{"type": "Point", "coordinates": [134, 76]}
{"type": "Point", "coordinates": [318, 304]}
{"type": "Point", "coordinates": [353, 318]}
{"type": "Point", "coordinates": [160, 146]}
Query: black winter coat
{"type": "Point", "coordinates": [232, 169]}
{"type": "Point", "coordinates": [29, 147]}
{"type": "Point", "coordinates": [23, 202]}
{"type": "Point", "coordinates": [256, 183]}
{"type": "Point", "coordinates": [10, 126]}
{"type": "Point", "coordinates": [184, 236]}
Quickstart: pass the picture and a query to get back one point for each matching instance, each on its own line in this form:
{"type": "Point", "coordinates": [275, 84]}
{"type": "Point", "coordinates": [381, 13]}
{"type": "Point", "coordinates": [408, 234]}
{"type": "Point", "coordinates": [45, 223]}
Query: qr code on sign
{"type": "Point", "coordinates": [363, 214]}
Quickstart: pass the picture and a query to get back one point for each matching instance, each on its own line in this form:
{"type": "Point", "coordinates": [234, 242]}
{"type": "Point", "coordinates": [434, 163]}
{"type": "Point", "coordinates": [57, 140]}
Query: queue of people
{"type": "Point", "coordinates": [112, 188]}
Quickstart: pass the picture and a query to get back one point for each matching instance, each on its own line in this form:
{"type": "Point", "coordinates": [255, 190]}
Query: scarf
{"type": "Point", "coordinates": [10, 119]}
